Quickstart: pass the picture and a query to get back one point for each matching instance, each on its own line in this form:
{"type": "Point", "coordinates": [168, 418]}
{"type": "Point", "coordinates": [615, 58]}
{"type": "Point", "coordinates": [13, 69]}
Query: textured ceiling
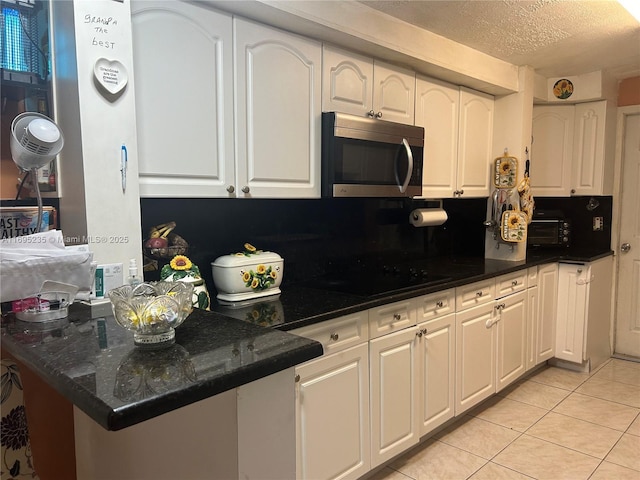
{"type": "Point", "coordinates": [555, 37]}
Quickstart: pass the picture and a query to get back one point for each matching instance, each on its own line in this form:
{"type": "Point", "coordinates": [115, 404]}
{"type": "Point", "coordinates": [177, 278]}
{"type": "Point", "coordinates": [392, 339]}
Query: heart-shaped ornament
{"type": "Point", "coordinates": [111, 74]}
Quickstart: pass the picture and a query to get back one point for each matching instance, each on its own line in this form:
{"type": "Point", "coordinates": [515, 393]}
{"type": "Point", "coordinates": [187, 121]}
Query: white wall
{"type": "Point", "coordinates": [94, 208]}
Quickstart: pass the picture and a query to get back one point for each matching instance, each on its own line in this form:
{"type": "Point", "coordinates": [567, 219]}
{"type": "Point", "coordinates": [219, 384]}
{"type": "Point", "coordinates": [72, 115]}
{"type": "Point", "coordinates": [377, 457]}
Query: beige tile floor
{"type": "Point", "coordinates": [554, 424]}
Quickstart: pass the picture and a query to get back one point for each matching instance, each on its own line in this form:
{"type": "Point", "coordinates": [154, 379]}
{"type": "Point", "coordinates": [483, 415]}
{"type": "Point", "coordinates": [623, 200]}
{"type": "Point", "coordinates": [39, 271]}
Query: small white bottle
{"type": "Point", "coordinates": [133, 279]}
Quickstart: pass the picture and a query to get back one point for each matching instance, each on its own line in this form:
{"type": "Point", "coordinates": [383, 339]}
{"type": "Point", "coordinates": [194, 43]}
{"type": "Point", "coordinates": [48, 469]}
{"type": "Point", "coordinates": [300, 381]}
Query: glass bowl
{"type": "Point", "coordinates": [152, 310]}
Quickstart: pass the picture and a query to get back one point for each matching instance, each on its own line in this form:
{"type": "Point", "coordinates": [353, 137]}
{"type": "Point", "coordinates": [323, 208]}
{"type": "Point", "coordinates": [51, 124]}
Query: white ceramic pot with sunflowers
{"type": "Point", "coordinates": [181, 269]}
{"type": "Point", "coordinates": [248, 274]}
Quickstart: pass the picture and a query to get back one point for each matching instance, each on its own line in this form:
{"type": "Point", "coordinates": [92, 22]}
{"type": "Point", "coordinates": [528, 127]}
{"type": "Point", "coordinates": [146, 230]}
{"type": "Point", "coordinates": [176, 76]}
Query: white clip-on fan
{"type": "Point", "coordinates": [35, 141]}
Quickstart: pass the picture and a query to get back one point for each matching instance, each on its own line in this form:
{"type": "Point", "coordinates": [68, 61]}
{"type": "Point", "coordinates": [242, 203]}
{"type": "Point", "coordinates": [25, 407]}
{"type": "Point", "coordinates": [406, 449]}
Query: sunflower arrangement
{"type": "Point", "coordinates": [180, 267]}
{"type": "Point", "coordinates": [263, 277]}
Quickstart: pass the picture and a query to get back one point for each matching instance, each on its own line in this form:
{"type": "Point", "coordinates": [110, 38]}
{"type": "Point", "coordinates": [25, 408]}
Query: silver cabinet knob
{"type": "Point", "coordinates": [379, 115]}
{"type": "Point", "coordinates": [439, 304]}
{"type": "Point", "coordinates": [246, 189]}
{"type": "Point", "coordinates": [461, 192]}
{"type": "Point", "coordinates": [371, 114]}
{"type": "Point", "coordinates": [231, 189]}
{"type": "Point", "coordinates": [419, 333]}
{"type": "Point", "coordinates": [297, 378]}
{"type": "Point", "coordinates": [334, 336]}
{"type": "Point", "coordinates": [479, 294]}
{"type": "Point", "coordinates": [625, 247]}
{"type": "Point", "coordinates": [397, 316]}
{"type": "Point", "coordinates": [514, 283]}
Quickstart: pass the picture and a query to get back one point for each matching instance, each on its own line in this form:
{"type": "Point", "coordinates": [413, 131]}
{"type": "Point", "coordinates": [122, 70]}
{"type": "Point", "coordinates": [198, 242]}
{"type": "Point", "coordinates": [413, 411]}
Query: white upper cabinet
{"type": "Point", "coordinates": [458, 127]}
{"type": "Point", "coordinates": [278, 112]}
{"type": "Point", "coordinates": [437, 106]}
{"type": "Point", "coordinates": [571, 153]}
{"type": "Point", "coordinates": [591, 174]}
{"type": "Point", "coordinates": [360, 86]}
{"type": "Point", "coordinates": [551, 150]}
{"type": "Point", "coordinates": [347, 82]}
{"type": "Point", "coordinates": [184, 99]}
{"type": "Point", "coordinates": [475, 140]}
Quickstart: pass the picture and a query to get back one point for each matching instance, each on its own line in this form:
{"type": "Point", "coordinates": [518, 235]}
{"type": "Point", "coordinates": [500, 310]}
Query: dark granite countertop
{"type": "Point", "coordinates": [301, 305]}
{"type": "Point", "coordinates": [94, 364]}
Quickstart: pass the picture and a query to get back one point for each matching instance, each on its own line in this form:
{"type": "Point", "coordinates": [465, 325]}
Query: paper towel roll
{"type": "Point", "coordinates": [424, 217]}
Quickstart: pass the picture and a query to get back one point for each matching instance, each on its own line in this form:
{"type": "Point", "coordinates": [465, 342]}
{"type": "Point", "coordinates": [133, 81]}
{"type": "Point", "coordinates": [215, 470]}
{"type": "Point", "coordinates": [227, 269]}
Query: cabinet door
{"type": "Point", "coordinates": [184, 99]}
{"type": "Point", "coordinates": [332, 416]}
{"type": "Point", "coordinates": [552, 150]}
{"type": "Point", "coordinates": [347, 82]}
{"type": "Point", "coordinates": [589, 149]}
{"type": "Point", "coordinates": [547, 306]}
{"type": "Point", "coordinates": [394, 396]}
{"type": "Point", "coordinates": [533, 310]}
{"type": "Point", "coordinates": [475, 141]}
{"type": "Point", "coordinates": [512, 338]}
{"type": "Point", "coordinates": [475, 356]}
{"type": "Point", "coordinates": [394, 93]}
{"type": "Point", "coordinates": [437, 363]}
{"type": "Point", "coordinates": [437, 106]}
{"type": "Point", "coordinates": [573, 281]}
{"type": "Point", "coordinates": [278, 112]}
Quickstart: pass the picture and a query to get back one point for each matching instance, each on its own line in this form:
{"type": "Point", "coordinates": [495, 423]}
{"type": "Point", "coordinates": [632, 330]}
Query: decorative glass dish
{"type": "Point", "coordinates": [152, 310]}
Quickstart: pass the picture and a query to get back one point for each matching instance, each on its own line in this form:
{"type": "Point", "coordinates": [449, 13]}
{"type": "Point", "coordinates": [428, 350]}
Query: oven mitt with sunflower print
{"type": "Point", "coordinates": [513, 226]}
{"type": "Point", "coordinates": [505, 171]}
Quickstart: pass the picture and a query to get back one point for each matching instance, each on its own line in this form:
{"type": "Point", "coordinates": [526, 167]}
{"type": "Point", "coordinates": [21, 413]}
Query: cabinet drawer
{"type": "Point", "coordinates": [392, 317]}
{"type": "Point", "coordinates": [511, 283]}
{"type": "Point", "coordinates": [477, 293]}
{"type": "Point", "coordinates": [337, 334]}
{"type": "Point", "coordinates": [436, 305]}
{"type": "Point", "coordinates": [532, 277]}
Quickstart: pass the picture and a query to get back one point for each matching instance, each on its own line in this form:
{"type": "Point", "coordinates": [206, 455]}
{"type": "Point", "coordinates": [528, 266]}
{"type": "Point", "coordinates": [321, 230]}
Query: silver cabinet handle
{"type": "Point", "coordinates": [419, 333]}
{"type": "Point", "coordinates": [479, 294]}
{"type": "Point", "coordinates": [397, 316]}
{"type": "Point", "coordinates": [625, 247]}
{"type": "Point", "coordinates": [334, 336]}
{"type": "Point", "coordinates": [297, 378]}
{"type": "Point", "coordinates": [245, 189]}
{"type": "Point", "coordinates": [371, 113]}
{"type": "Point", "coordinates": [439, 304]}
{"type": "Point", "coordinates": [514, 283]}
{"type": "Point", "coordinates": [231, 189]}
{"type": "Point", "coordinates": [379, 115]}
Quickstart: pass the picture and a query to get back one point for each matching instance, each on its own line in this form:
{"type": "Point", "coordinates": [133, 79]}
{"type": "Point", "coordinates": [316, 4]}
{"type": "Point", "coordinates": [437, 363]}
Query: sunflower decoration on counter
{"type": "Point", "coordinates": [262, 278]}
{"type": "Point", "coordinates": [248, 251]}
{"type": "Point", "coordinates": [182, 269]}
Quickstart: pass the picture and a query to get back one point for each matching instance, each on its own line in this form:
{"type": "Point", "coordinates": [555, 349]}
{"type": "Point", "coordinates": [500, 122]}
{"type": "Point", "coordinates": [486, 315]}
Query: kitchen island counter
{"type": "Point", "coordinates": [94, 364]}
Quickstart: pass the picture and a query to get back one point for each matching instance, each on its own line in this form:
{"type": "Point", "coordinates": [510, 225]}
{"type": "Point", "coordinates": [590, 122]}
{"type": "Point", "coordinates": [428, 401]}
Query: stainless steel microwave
{"type": "Point", "coordinates": [368, 157]}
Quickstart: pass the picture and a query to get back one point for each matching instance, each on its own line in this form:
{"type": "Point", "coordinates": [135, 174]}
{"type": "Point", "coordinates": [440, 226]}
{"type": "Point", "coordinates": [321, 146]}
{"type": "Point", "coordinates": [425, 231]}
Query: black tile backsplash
{"type": "Point", "coordinates": [315, 236]}
{"type": "Point", "coordinates": [575, 208]}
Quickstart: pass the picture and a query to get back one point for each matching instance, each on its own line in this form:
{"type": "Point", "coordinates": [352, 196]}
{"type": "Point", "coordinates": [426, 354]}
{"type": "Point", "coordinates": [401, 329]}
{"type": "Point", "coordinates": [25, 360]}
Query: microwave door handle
{"type": "Point", "coordinates": [405, 183]}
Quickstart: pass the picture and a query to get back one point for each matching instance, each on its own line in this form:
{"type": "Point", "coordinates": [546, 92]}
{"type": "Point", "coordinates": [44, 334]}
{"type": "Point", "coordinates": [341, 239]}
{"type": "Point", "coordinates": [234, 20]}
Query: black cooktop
{"type": "Point", "coordinates": [378, 280]}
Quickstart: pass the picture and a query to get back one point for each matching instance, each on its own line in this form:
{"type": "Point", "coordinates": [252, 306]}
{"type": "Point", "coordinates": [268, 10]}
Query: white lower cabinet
{"type": "Point", "coordinates": [332, 416]}
{"type": "Point", "coordinates": [491, 339]}
{"type": "Point", "coordinates": [437, 372]}
{"type": "Point", "coordinates": [546, 314]}
{"type": "Point", "coordinates": [475, 356]}
{"type": "Point", "coordinates": [584, 312]}
{"type": "Point", "coordinates": [511, 318]}
{"type": "Point", "coordinates": [394, 394]}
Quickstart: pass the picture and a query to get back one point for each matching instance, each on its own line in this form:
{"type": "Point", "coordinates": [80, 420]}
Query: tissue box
{"type": "Point", "coordinates": [240, 277]}
{"type": "Point", "coordinates": [19, 221]}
